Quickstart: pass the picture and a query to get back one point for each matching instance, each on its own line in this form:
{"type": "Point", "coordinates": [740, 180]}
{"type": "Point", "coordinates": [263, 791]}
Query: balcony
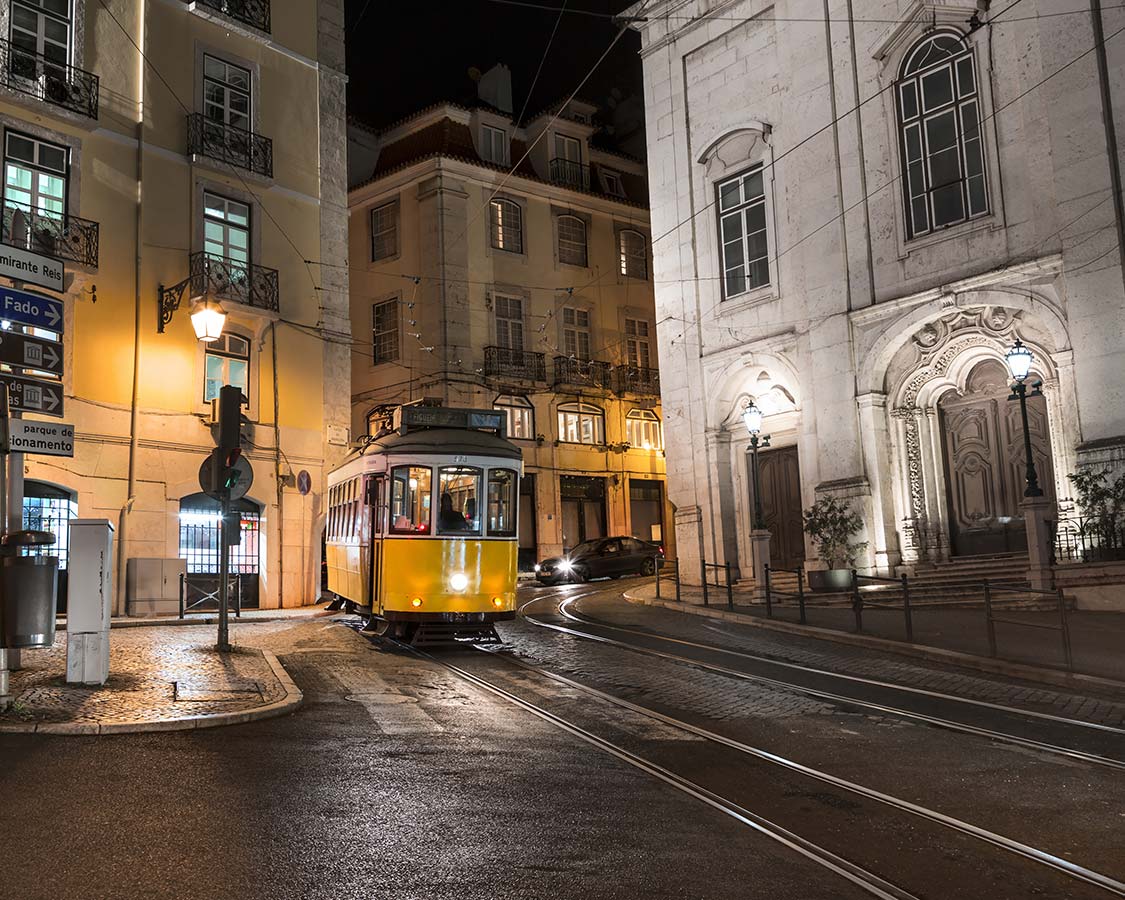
{"type": "Point", "coordinates": [501, 362]}
{"type": "Point", "coordinates": [229, 144]}
{"type": "Point", "coordinates": [583, 373]}
{"type": "Point", "coordinates": [637, 380]}
{"type": "Point", "coordinates": [50, 233]}
{"type": "Point", "coordinates": [52, 82]}
{"type": "Point", "coordinates": [255, 13]}
{"type": "Point", "coordinates": [570, 174]}
{"type": "Point", "coordinates": [229, 279]}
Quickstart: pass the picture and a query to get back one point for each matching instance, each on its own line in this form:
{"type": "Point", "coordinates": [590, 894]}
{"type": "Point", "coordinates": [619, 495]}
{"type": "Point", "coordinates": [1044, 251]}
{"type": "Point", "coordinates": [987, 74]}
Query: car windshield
{"type": "Point", "coordinates": [585, 549]}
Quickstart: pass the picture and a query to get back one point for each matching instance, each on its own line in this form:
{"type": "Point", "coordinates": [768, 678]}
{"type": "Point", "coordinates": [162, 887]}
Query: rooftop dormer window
{"type": "Point", "coordinates": [494, 145]}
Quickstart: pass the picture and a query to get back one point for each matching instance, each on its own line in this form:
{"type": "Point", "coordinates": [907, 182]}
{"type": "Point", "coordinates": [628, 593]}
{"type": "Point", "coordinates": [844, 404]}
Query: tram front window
{"type": "Point", "coordinates": [459, 489]}
{"type": "Point", "coordinates": [501, 503]}
{"type": "Point", "coordinates": [410, 500]}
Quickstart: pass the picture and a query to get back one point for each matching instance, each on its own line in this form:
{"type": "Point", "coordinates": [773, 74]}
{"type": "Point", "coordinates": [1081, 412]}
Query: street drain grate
{"type": "Point", "coordinates": [186, 693]}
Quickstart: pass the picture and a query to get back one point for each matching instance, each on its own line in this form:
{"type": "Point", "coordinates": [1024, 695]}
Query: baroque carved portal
{"type": "Point", "coordinates": [982, 435]}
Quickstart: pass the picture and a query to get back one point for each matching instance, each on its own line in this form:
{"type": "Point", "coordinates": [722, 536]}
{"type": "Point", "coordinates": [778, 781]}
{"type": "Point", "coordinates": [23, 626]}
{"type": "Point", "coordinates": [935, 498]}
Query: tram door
{"type": "Point", "coordinates": [375, 499]}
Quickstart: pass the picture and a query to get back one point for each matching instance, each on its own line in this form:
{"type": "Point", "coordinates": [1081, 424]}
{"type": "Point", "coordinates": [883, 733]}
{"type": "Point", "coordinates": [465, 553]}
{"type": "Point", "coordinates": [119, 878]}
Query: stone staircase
{"type": "Point", "coordinates": [958, 583]}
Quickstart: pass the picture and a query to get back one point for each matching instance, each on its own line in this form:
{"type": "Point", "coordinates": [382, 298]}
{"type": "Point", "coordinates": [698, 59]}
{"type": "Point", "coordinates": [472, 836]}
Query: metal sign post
{"type": "Point", "coordinates": [224, 571]}
{"type": "Point", "coordinates": [5, 684]}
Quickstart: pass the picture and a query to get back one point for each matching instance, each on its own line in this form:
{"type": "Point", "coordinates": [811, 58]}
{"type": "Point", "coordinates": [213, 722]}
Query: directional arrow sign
{"type": "Point", "coordinates": [34, 395]}
{"type": "Point", "coordinates": [31, 352]}
{"type": "Point", "coordinates": [31, 309]}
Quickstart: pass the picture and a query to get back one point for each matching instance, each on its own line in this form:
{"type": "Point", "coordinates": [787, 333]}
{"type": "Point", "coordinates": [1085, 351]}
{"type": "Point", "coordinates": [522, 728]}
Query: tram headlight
{"type": "Point", "coordinates": [416, 602]}
{"type": "Point", "coordinates": [497, 602]}
{"type": "Point", "coordinates": [458, 581]}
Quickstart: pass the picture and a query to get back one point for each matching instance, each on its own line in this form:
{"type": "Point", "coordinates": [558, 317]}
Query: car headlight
{"type": "Point", "coordinates": [538, 567]}
{"type": "Point", "coordinates": [565, 565]}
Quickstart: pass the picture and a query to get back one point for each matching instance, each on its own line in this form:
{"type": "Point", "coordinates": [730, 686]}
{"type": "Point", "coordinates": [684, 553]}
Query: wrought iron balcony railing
{"type": "Point", "coordinates": [50, 233]}
{"type": "Point", "coordinates": [590, 373]}
{"type": "Point", "coordinates": [255, 13]}
{"type": "Point", "coordinates": [230, 144]}
{"type": "Point", "coordinates": [230, 279]}
{"type": "Point", "coordinates": [637, 380]}
{"type": "Point", "coordinates": [502, 362]}
{"type": "Point", "coordinates": [45, 79]}
{"type": "Point", "coordinates": [570, 173]}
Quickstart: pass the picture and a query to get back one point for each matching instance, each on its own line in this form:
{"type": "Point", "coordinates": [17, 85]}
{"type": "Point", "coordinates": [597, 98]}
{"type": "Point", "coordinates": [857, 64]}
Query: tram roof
{"type": "Point", "coordinates": [444, 441]}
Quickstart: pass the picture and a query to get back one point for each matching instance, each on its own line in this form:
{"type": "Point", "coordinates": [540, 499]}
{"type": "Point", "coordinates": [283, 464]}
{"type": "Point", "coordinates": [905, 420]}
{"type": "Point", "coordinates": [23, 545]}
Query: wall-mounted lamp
{"type": "Point", "coordinates": [207, 314]}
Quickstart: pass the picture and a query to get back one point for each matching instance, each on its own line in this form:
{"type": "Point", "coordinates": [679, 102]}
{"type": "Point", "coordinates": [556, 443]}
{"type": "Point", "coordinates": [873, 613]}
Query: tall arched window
{"type": "Point", "coordinates": [572, 241]}
{"type": "Point", "coordinates": [939, 126]}
{"type": "Point", "coordinates": [634, 254]}
{"type": "Point", "coordinates": [507, 226]}
{"type": "Point", "coordinates": [581, 423]}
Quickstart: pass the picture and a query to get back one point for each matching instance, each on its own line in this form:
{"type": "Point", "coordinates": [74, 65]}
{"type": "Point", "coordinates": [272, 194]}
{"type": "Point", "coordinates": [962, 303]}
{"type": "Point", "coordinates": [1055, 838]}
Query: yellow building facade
{"type": "Point", "coordinates": [166, 150]}
{"type": "Point", "coordinates": [527, 289]}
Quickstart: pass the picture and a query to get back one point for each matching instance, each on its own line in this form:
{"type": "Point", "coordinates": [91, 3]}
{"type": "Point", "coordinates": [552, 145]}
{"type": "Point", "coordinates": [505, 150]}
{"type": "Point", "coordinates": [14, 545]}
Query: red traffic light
{"type": "Point", "coordinates": [233, 456]}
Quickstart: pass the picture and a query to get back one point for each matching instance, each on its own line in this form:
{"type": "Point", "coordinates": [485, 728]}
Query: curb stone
{"type": "Point", "coordinates": [293, 698]}
{"type": "Point", "coordinates": [1023, 671]}
{"type": "Point", "coordinates": [165, 622]}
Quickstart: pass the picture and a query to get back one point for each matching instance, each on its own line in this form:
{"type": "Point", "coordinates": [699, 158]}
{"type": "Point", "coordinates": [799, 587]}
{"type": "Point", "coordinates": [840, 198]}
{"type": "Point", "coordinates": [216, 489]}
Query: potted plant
{"type": "Point", "coordinates": [831, 523]}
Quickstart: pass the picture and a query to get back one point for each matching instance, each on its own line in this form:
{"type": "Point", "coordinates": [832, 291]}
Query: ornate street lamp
{"type": "Point", "coordinates": [1019, 359]}
{"type": "Point", "coordinates": [207, 314]}
{"type": "Point", "coordinates": [752, 417]}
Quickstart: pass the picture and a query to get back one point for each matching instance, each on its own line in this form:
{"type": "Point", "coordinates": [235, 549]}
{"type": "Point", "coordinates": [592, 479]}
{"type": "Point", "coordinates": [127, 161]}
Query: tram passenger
{"type": "Point", "coordinates": [448, 518]}
{"type": "Point", "coordinates": [471, 514]}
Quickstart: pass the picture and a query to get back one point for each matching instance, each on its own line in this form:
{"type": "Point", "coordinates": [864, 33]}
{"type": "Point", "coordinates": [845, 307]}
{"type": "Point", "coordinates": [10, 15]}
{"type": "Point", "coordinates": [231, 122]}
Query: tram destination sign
{"type": "Point", "coordinates": [45, 438]}
{"type": "Point", "coordinates": [24, 308]}
{"type": "Point", "coordinates": [31, 352]}
{"type": "Point", "coordinates": [23, 265]}
{"type": "Point", "coordinates": [33, 395]}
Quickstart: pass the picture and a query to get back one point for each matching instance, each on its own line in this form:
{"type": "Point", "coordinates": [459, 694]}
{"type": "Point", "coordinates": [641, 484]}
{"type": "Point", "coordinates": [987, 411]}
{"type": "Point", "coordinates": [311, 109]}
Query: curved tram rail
{"type": "Point", "coordinates": [858, 874]}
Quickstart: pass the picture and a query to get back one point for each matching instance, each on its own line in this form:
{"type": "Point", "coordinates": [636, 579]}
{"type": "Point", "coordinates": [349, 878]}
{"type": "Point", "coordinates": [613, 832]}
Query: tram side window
{"type": "Point", "coordinates": [501, 503]}
{"type": "Point", "coordinates": [410, 500]}
{"type": "Point", "coordinates": [459, 490]}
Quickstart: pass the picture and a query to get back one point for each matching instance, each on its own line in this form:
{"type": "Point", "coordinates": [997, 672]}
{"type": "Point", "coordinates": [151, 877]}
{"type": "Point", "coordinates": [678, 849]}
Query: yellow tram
{"type": "Point", "coordinates": [422, 532]}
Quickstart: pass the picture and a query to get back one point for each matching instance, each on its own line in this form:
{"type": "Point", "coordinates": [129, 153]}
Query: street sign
{"type": "Point", "coordinates": [31, 352]}
{"type": "Point", "coordinates": [23, 265]}
{"type": "Point", "coordinates": [33, 395]}
{"type": "Point", "coordinates": [31, 309]}
{"type": "Point", "coordinates": [241, 486]}
{"type": "Point", "coordinates": [47, 438]}
{"type": "Point", "coordinates": [304, 482]}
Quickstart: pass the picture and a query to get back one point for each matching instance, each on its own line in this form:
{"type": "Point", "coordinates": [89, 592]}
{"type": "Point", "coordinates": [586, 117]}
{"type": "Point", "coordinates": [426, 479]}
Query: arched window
{"type": "Point", "coordinates": [642, 430]}
{"type": "Point", "coordinates": [939, 126]}
{"type": "Point", "coordinates": [507, 226]}
{"type": "Point", "coordinates": [634, 254]}
{"type": "Point", "coordinates": [572, 241]}
{"type": "Point", "coordinates": [581, 423]}
{"type": "Point", "coordinates": [521, 416]}
{"type": "Point", "coordinates": [742, 230]}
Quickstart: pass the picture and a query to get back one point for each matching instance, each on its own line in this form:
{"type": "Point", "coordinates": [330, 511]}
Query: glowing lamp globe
{"type": "Point", "coordinates": [208, 318]}
{"type": "Point", "coordinates": [752, 416]}
{"type": "Point", "coordinates": [1018, 359]}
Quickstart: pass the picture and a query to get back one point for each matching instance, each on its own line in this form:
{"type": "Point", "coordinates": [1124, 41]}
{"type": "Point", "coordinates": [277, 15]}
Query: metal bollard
{"type": "Point", "coordinates": [677, 564]}
{"type": "Point", "coordinates": [857, 602]}
{"type": "Point", "coordinates": [658, 581]}
{"type": "Point", "coordinates": [769, 593]}
{"type": "Point", "coordinates": [801, 593]}
{"type": "Point", "coordinates": [906, 610]}
{"type": "Point", "coordinates": [238, 599]}
{"type": "Point", "coordinates": [1064, 629]}
{"type": "Point", "coordinates": [181, 595]}
{"type": "Point", "coordinates": [988, 618]}
{"type": "Point", "coordinates": [730, 593]}
{"type": "Point", "coordinates": [703, 569]}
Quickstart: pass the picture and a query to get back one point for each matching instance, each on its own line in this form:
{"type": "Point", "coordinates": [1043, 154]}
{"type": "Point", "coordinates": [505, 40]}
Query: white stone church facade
{"type": "Point", "coordinates": [860, 275]}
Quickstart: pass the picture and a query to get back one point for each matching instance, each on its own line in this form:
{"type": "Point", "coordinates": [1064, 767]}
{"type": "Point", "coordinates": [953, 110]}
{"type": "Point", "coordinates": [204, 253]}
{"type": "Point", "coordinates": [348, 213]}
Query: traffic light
{"type": "Point", "coordinates": [224, 475]}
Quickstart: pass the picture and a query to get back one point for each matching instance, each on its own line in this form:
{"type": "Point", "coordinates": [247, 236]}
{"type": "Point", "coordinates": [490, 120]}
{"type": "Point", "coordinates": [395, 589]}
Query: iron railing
{"type": "Point", "coordinates": [1086, 539]}
{"type": "Point", "coordinates": [582, 372]}
{"type": "Point", "coordinates": [503, 362]}
{"type": "Point", "coordinates": [50, 233]}
{"type": "Point", "coordinates": [231, 279]}
{"type": "Point", "coordinates": [230, 144]}
{"type": "Point", "coordinates": [255, 13]}
{"type": "Point", "coordinates": [48, 80]}
{"type": "Point", "coordinates": [569, 173]}
{"type": "Point", "coordinates": [637, 380]}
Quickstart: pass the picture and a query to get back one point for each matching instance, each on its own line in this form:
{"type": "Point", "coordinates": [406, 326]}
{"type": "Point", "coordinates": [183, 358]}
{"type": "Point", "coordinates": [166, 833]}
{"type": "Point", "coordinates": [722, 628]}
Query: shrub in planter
{"type": "Point", "coordinates": [832, 523]}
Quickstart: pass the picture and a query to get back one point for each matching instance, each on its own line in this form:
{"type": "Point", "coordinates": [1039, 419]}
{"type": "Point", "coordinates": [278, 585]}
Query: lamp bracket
{"type": "Point", "coordinates": [169, 301]}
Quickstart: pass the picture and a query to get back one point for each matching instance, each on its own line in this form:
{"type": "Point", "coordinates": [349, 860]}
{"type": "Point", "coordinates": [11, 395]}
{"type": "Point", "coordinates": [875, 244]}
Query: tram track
{"type": "Point", "coordinates": [837, 699]}
{"type": "Point", "coordinates": [1057, 871]}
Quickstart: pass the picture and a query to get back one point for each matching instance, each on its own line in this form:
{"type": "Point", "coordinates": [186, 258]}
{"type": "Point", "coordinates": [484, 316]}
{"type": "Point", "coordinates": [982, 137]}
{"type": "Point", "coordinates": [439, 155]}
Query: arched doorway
{"type": "Point", "coordinates": [48, 507]}
{"type": "Point", "coordinates": [199, 546]}
{"type": "Point", "coordinates": [982, 440]}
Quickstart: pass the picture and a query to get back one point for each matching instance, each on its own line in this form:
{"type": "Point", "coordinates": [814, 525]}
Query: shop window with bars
{"type": "Point", "coordinates": [199, 536]}
{"type": "Point", "coordinates": [47, 508]}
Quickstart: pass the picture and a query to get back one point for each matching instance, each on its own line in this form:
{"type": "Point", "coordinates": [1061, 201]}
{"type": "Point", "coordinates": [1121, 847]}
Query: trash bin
{"type": "Point", "coordinates": [27, 592]}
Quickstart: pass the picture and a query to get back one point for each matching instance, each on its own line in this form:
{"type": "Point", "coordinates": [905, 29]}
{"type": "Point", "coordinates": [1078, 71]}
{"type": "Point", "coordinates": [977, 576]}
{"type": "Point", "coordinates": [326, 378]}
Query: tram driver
{"type": "Point", "coordinates": [448, 518]}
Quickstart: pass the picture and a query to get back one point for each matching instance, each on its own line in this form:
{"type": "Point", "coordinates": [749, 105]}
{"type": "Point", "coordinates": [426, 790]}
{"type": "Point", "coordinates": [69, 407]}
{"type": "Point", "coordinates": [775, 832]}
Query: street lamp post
{"type": "Point", "coordinates": [752, 417]}
{"type": "Point", "coordinates": [1019, 359]}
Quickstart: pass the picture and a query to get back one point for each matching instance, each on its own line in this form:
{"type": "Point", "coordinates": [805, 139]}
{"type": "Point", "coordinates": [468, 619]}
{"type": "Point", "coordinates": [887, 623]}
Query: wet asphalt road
{"type": "Point", "coordinates": [399, 779]}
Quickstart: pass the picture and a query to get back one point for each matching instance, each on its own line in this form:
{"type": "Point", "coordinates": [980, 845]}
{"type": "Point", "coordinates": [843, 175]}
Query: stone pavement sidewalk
{"type": "Point", "coordinates": [161, 679]}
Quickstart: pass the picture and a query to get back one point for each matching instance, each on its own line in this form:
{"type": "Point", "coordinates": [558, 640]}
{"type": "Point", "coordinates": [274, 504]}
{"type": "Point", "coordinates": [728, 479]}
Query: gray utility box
{"type": "Point", "coordinates": [152, 586]}
{"type": "Point", "coordinates": [89, 601]}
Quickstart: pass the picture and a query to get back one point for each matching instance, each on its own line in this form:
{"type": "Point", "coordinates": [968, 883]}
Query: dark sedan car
{"type": "Point", "coordinates": [604, 557]}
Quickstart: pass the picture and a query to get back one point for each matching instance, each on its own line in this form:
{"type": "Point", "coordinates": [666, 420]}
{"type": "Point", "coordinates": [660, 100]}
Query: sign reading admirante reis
{"type": "Point", "coordinates": [23, 265]}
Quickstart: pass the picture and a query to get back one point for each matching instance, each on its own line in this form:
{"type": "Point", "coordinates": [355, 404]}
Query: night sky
{"type": "Point", "coordinates": [403, 55]}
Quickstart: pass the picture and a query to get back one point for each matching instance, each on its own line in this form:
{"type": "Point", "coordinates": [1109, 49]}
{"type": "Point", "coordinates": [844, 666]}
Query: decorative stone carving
{"type": "Point", "coordinates": [914, 525]}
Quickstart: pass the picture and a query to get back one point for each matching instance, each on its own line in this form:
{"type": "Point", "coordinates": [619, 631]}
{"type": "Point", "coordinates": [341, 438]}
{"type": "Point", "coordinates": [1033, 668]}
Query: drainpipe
{"type": "Point", "coordinates": [277, 474]}
{"type": "Point", "coordinates": [836, 147]}
{"type": "Point", "coordinates": [131, 489]}
{"type": "Point", "coordinates": [1110, 131]}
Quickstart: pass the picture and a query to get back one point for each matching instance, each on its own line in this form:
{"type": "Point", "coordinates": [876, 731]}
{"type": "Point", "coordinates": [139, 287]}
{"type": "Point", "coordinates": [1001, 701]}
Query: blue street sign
{"type": "Point", "coordinates": [31, 309]}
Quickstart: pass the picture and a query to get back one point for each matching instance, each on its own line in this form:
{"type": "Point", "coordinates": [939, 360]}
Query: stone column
{"type": "Point", "coordinates": [722, 486]}
{"type": "Point", "coordinates": [1037, 512]}
{"type": "Point", "coordinates": [879, 472]}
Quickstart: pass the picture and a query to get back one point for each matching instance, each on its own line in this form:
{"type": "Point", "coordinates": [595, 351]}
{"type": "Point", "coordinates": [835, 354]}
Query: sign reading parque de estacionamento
{"type": "Point", "coordinates": [47, 438]}
{"type": "Point", "coordinates": [23, 265]}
